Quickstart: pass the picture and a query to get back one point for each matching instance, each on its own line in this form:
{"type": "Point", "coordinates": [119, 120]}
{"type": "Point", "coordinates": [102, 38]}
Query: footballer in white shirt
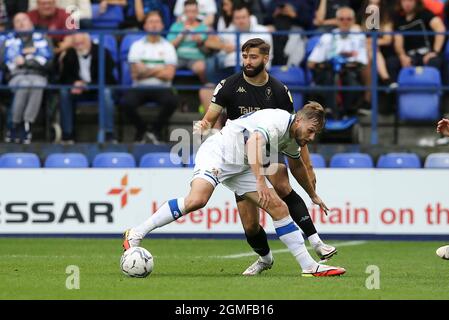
{"type": "Point", "coordinates": [235, 157]}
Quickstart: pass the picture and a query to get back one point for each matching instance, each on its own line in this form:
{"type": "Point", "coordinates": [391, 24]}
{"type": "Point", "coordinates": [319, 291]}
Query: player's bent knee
{"type": "Point", "coordinates": [279, 210]}
{"type": "Point", "coordinates": [195, 203]}
{"type": "Point", "coordinates": [283, 189]}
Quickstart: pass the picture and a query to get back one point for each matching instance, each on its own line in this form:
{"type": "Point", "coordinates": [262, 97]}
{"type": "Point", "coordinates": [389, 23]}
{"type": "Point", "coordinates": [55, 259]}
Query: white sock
{"type": "Point", "coordinates": [267, 258]}
{"type": "Point", "coordinates": [168, 212]}
{"type": "Point", "coordinates": [288, 232]}
{"type": "Point", "coordinates": [315, 240]}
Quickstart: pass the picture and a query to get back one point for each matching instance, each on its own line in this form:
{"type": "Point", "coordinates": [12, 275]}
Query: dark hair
{"type": "Point", "coordinates": [152, 13]}
{"type": "Point", "coordinates": [264, 47]}
{"type": "Point", "coordinates": [419, 7]}
{"type": "Point", "coordinates": [190, 2]}
{"type": "Point", "coordinates": [315, 112]}
{"type": "Point", "coordinates": [240, 6]}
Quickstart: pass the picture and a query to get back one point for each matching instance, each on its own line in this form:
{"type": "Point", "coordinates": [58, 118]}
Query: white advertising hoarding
{"type": "Point", "coordinates": [108, 201]}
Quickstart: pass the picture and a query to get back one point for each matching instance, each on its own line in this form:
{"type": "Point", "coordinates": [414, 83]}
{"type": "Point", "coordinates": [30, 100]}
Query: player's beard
{"type": "Point", "coordinates": [253, 73]}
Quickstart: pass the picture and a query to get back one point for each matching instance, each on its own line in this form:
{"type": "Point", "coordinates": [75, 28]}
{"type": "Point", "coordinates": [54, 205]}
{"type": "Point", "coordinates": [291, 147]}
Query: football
{"type": "Point", "coordinates": [443, 252]}
{"type": "Point", "coordinates": [137, 262]}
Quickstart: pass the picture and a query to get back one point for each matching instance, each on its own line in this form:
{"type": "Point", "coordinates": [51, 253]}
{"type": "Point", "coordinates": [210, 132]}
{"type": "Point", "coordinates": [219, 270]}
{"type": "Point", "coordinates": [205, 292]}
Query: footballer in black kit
{"type": "Point", "coordinates": [238, 96]}
{"type": "Point", "coordinates": [248, 91]}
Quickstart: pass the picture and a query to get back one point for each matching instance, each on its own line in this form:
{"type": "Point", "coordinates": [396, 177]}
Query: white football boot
{"type": "Point", "coordinates": [257, 268]}
{"type": "Point", "coordinates": [443, 252]}
{"type": "Point", "coordinates": [324, 271]}
{"type": "Point", "coordinates": [325, 252]}
{"type": "Point", "coordinates": [131, 239]}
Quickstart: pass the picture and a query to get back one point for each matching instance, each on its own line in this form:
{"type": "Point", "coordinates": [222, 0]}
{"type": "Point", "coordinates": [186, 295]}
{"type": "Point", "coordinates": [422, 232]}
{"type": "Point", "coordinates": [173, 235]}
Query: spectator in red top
{"type": "Point", "coordinates": [47, 16]}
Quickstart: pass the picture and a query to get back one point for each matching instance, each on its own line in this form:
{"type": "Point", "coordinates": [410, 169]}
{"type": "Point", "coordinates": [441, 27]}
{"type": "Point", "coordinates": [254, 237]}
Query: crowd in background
{"type": "Point", "coordinates": [338, 58]}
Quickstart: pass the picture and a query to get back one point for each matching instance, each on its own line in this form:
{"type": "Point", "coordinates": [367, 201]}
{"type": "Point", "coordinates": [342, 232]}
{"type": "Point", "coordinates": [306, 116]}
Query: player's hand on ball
{"type": "Point", "coordinates": [317, 200]}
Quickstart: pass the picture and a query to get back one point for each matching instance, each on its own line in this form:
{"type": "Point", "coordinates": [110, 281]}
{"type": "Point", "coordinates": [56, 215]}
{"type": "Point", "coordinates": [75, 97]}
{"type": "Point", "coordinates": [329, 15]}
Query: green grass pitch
{"type": "Point", "coordinates": [197, 269]}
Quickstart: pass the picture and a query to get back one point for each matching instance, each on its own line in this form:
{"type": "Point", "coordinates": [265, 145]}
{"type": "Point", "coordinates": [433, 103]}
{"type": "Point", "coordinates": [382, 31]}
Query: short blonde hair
{"type": "Point", "coordinates": [314, 111]}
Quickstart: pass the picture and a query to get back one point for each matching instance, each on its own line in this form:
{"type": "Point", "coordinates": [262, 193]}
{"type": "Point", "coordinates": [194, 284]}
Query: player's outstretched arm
{"type": "Point", "coordinates": [301, 175]}
{"type": "Point", "coordinates": [443, 127]}
{"type": "Point", "coordinates": [255, 146]}
{"type": "Point", "coordinates": [305, 156]}
{"type": "Point", "coordinates": [209, 120]}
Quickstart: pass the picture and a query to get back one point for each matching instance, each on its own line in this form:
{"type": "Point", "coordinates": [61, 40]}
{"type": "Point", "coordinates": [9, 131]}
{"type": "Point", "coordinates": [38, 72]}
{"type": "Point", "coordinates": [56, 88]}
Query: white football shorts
{"type": "Point", "coordinates": [221, 160]}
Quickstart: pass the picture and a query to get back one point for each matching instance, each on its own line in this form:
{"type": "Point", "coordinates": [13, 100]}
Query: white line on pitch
{"type": "Point", "coordinates": [248, 254]}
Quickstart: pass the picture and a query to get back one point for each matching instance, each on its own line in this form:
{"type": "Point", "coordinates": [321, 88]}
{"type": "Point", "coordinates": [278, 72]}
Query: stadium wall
{"type": "Point", "coordinates": [364, 203]}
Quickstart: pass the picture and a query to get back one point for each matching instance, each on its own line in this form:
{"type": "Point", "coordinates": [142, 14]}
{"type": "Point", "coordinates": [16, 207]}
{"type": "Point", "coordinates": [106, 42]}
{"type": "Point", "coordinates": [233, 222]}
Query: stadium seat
{"type": "Point", "coordinates": [184, 73]}
{"type": "Point", "coordinates": [19, 160]}
{"type": "Point", "coordinates": [110, 43]}
{"type": "Point", "coordinates": [399, 160]}
{"type": "Point", "coordinates": [419, 105]}
{"type": "Point", "coordinates": [437, 161]}
{"type": "Point", "coordinates": [114, 160]}
{"type": "Point", "coordinates": [160, 160]}
{"type": "Point", "coordinates": [311, 44]}
{"type": "Point", "coordinates": [125, 45]}
{"type": "Point", "coordinates": [290, 76]}
{"type": "Point", "coordinates": [351, 160]}
{"type": "Point", "coordinates": [317, 160]}
{"type": "Point", "coordinates": [66, 160]}
{"type": "Point", "coordinates": [109, 19]}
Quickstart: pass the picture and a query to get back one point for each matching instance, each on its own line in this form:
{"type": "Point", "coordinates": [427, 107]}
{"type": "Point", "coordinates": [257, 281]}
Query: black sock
{"type": "Point", "coordinates": [259, 242]}
{"type": "Point", "coordinates": [300, 214]}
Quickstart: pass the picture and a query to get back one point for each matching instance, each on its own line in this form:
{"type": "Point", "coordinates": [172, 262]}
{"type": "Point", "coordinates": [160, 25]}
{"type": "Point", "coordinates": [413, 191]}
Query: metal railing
{"type": "Point", "coordinates": [374, 88]}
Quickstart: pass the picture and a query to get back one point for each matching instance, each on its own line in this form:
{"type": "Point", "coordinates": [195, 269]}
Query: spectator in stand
{"type": "Point", "coordinates": [47, 16]}
{"type": "Point", "coordinates": [80, 69]}
{"type": "Point", "coordinates": [325, 16]}
{"type": "Point", "coordinates": [3, 16]}
{"type": "Point", "coordinates": [207, 11]}
{"type": "Point", "coordinates": [385, 47]}
{"type": "Point", "coordinates": [222, 64]}
{"type": "Point", "coordinates": [8, 10]}
{"type": "Point", "coordinates": [79, 9]}
{"type": "Point", "coordinates": [27, 58]}
{"type": "Point", "coordinates": [416, 50]}
{"type": "Point", "coordinates": [153, 63]}
{"type": "Point", "coordinates": [289, 15]}
{"type": "Point", "coordinates": [136, 10]}
{"type": "Point", "coordinates": [226, 59]}
{"type": "Point", "coordinates": [188, 46]}
{"type": "Point", "coordinates": [343, 54]}
{"type": "Point", "coordinates": [223, 21]}
{"type": "Point", "coordinates": [256, 8]}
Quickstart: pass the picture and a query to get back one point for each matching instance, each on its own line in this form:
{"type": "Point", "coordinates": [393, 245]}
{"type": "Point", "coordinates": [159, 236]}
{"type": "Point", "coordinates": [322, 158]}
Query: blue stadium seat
{"type": "Point", "coordinates": [125, 45]}
{"type": "Point", "coordinates": [291, 76]}
{"type": "Point", "coordinates": [311, 44]}
{"type": "Point", "coordinates": [184, 73]}
{"type": "Point", "coordinates": [19, 160]}
{"type": "Point", "coordinates": [317, 160]}
{"type": "Point", "coordinates": [437, 161]}
{"type": "Point", "coordinates": [351, 160]}
{"type": "Point", "coordinates": [110, 43]}
{"type": "Point", "coordinates": [420, 104]}
{"type": "Point", "coordinates": [160, 160]}
{"type": "Point", "coordinates": [114, 160]}
{"type": "Point", "coordinates": [108, 20]}
{"type": "Point", "coordinates": [66, 160]}
{"type": "Point", "coordinates": [399, 160]}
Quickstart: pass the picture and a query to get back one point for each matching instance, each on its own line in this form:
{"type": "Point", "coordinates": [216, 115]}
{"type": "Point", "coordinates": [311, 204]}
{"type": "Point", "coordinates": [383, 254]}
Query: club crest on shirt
{"type": "Point", "coordinates": [268, 93]}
